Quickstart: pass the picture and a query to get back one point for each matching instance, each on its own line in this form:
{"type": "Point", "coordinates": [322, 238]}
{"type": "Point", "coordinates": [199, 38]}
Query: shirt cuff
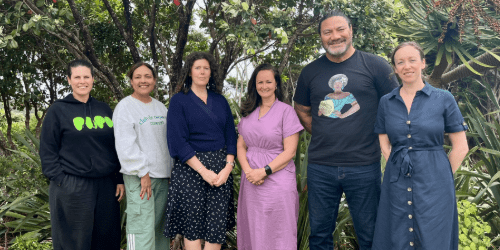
{"type": "Point", "coordinates": [379, 131]}
{"type": "Point", "coordinates": [456, 128]}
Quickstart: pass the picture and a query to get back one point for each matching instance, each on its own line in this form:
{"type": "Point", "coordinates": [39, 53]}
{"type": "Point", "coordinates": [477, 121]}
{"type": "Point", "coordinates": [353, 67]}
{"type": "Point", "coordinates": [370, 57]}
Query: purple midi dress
{"type": "Point", "coordinates": [267, 214]}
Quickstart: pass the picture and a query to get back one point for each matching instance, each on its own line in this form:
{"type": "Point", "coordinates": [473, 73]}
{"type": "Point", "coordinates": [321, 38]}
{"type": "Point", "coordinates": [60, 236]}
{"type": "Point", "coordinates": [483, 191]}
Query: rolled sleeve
{"type": "Point", "coordinates": [453, 119]}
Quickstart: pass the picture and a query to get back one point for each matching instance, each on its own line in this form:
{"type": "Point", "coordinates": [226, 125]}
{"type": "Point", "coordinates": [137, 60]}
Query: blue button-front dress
{"type": "Point", "coordinates": [417, 208]}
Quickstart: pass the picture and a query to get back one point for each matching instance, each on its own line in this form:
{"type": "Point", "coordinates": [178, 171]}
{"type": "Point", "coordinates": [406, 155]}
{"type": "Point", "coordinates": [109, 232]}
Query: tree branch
{"type": "Point", "coordinates": [90, 52]}
{"type": "Point", "coordinates": [462, 71]}
{"type": "Point", "coordinates": [127, 36]}
{"type": "Point", "coordinates": [182, 34]}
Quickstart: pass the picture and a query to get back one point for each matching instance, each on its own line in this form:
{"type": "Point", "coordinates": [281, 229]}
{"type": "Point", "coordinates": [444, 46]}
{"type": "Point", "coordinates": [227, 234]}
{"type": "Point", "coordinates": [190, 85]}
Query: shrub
{"type": "Point", "coordinates": [473, 230]}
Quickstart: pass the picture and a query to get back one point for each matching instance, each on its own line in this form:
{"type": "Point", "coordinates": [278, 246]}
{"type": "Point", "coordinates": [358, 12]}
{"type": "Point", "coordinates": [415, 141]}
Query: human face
{"type": "Point", "coordinates": [81, 82]}
{"type": "Point", "coordinates": [337, 86]}
{"type": "Point", "coordinates": [143, 81]}
{"type": "Point", "coordinates": [200, 73]}
{"type": "Point", "coordinates": [409, 65]}
{"type": "Point", "coordinates": [266, 84]}
{"type": "Point", "coordinates": [336, 37]}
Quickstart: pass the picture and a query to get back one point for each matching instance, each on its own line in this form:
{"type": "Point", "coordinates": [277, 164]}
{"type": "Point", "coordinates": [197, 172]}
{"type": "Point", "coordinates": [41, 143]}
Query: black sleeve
{"type": "Point", "coordinates": [302, 94]}
{"type": "Point", "coordinates": [50, 143]}
{"type": "Point", "coordinates": [384, 76]}
{"type": "Point", "coordinates": [116, 176]}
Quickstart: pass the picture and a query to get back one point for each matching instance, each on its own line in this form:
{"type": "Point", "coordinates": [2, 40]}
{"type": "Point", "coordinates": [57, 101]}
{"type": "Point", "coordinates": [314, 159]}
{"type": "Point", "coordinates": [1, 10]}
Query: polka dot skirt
{"type": "Point", "coordinates": [194, 208]}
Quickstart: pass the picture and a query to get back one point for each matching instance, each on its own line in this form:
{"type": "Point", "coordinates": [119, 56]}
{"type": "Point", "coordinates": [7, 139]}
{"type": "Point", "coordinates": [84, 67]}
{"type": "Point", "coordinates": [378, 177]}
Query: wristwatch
{"type": "Point", "coordinates": [268, 170]}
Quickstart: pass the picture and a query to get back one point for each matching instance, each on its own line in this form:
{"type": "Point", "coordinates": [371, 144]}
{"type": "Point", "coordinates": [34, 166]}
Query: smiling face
{"type": "Point", "coordinates": [266, 84]}
{"type": "Point", "coordinates": [337, 86]}
{"type": "Point", "coordinates": [336, 38]}
{"type": "Point", "coordinates": [81, 82]}
{"type": "Point", "coordinates": [409, 65]}
{"type": "Point", "coordinates": [200, 73]}
{"type": "Point", "coordinates": [143, 81]}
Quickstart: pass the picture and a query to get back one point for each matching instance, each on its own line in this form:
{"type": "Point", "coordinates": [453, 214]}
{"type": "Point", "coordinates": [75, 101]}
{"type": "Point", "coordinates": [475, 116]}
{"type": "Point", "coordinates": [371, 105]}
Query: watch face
{"type": "Point", "coordinates": [268, 170]}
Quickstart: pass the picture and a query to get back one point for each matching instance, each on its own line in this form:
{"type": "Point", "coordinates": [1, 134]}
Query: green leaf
{"type": "Point", "coordinates": [13, 44]}
{"type": "Point", "coordinates": [473, 58]}
{"type": "Point", "coordinates": [18, 5]}
{"type": "Point", "coordinates": [491, 53]}
{"type": "Point", "coordinates": [244, 5]}
{"type": "Point", "coordinates": [448, 58]}
{"type": "Point", "coordinates": [439, 55]}
{"type": "Point", "coordinates": [25, 27]}
{"type": "Point", "coordinates": [464, 61]}
{"type": "Point", "coordinates": [40, 3]}
{"type": "Point", "coordinates": [490, 151]}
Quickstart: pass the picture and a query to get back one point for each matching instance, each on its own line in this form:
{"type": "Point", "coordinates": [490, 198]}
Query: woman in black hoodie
{"type": "Point", "coordinates": [77, 149]}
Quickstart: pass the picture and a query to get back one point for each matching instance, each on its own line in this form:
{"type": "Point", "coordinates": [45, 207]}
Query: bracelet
{"type": "Point", "coordinates": [230, 162]}
{"type": "Point", "coordinates": [199, 169]}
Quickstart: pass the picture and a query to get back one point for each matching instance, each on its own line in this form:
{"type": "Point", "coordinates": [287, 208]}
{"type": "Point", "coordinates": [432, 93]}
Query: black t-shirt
{"type": "Point", "coordinates": [342, 129]}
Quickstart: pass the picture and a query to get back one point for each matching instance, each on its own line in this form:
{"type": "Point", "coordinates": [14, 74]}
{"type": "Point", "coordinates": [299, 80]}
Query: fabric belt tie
{"type": "Point", "coordinates": [264, 150]}
{"type": "Point", "coordinates": [400, 156]}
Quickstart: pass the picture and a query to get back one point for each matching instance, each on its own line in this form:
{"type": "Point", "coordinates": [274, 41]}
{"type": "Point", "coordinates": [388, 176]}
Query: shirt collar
{"type": "Point", "coordinates": [427, 89]}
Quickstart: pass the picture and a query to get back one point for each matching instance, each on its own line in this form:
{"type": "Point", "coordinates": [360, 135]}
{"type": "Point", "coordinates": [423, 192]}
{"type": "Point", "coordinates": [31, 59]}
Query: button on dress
{"type": "Point", "coordinates": [267, 214]}
{"type": "Point", "coordinates": [417, 208]}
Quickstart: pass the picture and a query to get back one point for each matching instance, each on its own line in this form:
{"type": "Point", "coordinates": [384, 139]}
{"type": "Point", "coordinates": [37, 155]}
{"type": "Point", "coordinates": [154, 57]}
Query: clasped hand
{"type": "Point", "coordinates": [215, 179]}
{"type": "Point", "coordinates": [256, 176]}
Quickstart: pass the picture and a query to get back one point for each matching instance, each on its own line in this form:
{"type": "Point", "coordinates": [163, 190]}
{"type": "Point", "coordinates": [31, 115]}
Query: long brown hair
{"type": "Point", "coordinates": [252, 98]}
{"type": "Point", "coordinates": [186, 81]}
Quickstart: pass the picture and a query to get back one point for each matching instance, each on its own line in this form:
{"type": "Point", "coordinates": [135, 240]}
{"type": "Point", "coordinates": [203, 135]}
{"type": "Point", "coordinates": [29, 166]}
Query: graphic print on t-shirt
{"type": "Point", "coordinates": [334, 102]}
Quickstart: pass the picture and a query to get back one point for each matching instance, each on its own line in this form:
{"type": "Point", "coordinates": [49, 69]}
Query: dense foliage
{"type": "Point", "coordinates": [38, 38]}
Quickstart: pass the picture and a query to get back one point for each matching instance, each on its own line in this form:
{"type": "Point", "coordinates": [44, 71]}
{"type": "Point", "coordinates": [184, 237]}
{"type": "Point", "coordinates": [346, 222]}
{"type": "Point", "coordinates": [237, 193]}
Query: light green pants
{"type": "Point", "coordinates": [146, 218]}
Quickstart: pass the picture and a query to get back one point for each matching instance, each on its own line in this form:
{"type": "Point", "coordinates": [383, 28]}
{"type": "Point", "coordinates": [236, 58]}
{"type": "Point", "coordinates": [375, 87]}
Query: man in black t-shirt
{"type": "Point", "coordinates": [336, 100]}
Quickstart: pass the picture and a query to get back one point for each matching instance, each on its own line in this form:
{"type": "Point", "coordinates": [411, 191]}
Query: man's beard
{"type": "Point", "coordinates": [339, 52]}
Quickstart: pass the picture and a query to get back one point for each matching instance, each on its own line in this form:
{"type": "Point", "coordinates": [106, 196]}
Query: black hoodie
{"type": "Point", "coordinates": [77, 139]}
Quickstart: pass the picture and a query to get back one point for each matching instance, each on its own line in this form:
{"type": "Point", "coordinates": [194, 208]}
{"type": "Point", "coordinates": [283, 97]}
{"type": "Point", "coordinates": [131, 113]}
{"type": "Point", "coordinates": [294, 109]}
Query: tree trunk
{"type": "Point", "coordinates": [185, 14]}
{"type": "Point", "coordinates": [90, 52]}
{"type": "Point", "coordinates": [8, 116]}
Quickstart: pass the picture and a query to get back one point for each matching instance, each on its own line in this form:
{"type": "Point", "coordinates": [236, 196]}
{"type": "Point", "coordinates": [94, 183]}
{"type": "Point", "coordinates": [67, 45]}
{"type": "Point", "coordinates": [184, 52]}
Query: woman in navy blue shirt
{"type": "Point", "coordinates": [417, 208]}
{"type": "Point", "coordinates": [202, 139]}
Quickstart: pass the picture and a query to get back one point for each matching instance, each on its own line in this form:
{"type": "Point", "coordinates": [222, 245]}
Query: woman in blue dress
{"type": "Point", "coordinates": [417, 208]}
{"type": "Point", "coordinates": [334, 102]}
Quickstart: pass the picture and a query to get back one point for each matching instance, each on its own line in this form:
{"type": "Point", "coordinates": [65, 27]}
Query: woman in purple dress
{"type": "Point", "coordinates": [268, 204]}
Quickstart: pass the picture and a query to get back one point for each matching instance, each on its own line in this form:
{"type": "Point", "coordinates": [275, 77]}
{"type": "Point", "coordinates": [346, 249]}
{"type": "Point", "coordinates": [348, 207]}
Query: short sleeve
{"type": "Point", "coordinates": [302, 93]}
{"type": "Point", "coordinates": [291, 123]}
{"type": "Point", "coordinates": [380, 121]}
{"type": "Point", "coordinates": [350, 99]}
{"type": "Point", "coordinates": [385, 80]}
{"type": "Point", "coordinates": [240, 125]}
{"type": "Point", "coordinates": [453, 119]}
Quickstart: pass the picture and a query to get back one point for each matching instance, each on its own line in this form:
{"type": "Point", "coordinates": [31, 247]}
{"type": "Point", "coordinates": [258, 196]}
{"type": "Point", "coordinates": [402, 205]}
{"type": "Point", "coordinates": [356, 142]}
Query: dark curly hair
{"type": "Point", "coordinates": [252, 98]}
{"type": "Point", "coordinates": [186, 81]}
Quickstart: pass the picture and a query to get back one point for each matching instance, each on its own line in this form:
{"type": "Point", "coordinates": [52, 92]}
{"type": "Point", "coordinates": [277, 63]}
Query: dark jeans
{"type": "Point", "coordinates": [325, 184]}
